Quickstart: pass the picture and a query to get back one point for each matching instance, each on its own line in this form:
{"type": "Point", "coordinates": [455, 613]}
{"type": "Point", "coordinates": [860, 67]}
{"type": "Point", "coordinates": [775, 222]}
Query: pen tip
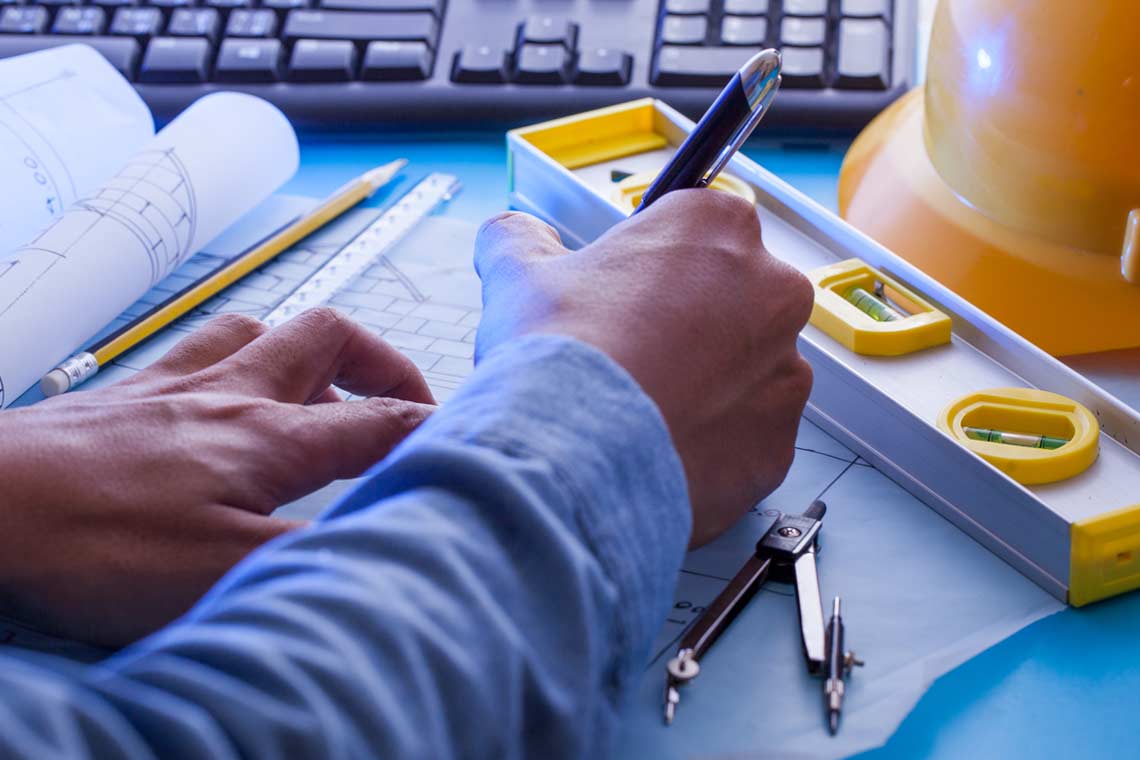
{"type": "Point", "coordinates": [833, 722]}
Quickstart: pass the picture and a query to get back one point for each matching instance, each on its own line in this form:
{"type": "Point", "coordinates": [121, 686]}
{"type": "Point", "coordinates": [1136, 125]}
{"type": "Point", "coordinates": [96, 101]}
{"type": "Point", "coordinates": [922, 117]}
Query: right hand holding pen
{"type": "Point", "coordinates": [688, 300]}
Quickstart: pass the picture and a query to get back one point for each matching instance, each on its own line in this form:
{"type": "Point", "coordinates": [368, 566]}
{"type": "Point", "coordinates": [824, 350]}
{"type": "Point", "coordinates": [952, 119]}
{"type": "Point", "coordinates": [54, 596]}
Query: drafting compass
{"type": "Point", "coordinates": [787, 554]}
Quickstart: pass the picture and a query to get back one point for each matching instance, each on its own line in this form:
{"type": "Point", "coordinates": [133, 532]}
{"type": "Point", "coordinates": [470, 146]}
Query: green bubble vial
{"type": "Point", "coordinates": [1015, 439]}
{"type": "Point", "coordinates": [871, 306]}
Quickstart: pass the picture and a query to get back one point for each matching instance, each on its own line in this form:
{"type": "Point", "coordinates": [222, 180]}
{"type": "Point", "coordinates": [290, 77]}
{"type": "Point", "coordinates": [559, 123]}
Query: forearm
{"type": "Point", "coordinates": [490, 591]}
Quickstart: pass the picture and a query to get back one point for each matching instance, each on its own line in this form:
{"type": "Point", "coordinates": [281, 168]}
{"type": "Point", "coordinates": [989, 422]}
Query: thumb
{"type": "Point", "coordinates": [509, 240]}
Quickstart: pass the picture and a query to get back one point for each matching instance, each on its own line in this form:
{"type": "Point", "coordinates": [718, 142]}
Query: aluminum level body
{"type": "Point", "coordinates": [885, 408]}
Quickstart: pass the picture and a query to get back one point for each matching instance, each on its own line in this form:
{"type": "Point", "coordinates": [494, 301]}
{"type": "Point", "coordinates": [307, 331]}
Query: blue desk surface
{"type": "Point", "coordinates": [1066, 686]}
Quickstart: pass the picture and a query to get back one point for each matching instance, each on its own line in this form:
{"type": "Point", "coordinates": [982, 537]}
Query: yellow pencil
{"type": "Point", "coordinates": [86, 364]}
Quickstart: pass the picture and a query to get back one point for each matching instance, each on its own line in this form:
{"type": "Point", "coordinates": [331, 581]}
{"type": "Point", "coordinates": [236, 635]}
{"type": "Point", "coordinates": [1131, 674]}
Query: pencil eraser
{"type": "Point", "coordinates": [55, 383]}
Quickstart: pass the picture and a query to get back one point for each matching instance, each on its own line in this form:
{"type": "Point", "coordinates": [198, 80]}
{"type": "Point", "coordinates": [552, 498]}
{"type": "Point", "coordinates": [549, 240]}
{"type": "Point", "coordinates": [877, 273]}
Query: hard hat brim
{"type": "Point", "coordinates": [1065, 300]}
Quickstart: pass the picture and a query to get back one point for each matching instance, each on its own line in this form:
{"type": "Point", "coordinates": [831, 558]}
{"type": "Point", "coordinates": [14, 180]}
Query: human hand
{"type": "Point", "coordinates": [119, 507]}
{"type": "Point", "coordinates": [688, 300]}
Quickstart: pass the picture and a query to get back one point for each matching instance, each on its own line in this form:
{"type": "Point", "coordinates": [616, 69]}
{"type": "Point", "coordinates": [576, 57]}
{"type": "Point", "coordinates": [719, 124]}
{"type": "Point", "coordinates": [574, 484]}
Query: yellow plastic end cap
{"type": "Point", "coordinates": [1105, 556]}
{"type": "Point", "coordinates": [1032, 412]}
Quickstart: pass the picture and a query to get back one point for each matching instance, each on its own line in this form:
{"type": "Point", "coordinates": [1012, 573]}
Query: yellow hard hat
{"type": "Point", "coordinates": [1014, 176]}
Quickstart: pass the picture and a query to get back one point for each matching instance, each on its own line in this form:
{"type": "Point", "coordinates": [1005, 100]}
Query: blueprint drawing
{"type": "Point", "coordinates": [221, 157]}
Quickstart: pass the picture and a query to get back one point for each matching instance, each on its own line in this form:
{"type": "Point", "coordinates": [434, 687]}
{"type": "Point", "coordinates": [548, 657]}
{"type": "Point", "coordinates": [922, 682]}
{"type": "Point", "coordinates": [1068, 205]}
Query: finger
{"type": "Point", "coordinates": [510, 239]}
{"type": "Point", "coordinates": [336, 441]}
{"type": "Point", "coordinates": [316, 349]}
{"type": "Point", "coordinates": [327, 396]}
{"type": "Point", "coordinates": [218, 339]}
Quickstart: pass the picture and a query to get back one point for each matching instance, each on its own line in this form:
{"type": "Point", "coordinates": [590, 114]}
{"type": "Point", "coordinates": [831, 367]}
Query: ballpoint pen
{"type": "Point", "coordinates": [723, 129]}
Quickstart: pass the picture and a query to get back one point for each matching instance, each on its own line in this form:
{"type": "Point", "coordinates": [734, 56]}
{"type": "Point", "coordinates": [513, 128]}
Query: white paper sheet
{"type": "Point", "coordinates": [68, 121]}
{"type": "Point", "coordinates": [219, 159]}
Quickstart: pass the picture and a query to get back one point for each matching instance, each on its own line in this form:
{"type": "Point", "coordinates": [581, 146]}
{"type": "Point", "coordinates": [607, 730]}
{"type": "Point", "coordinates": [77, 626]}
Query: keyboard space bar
{"type": "Point", "coordinates": [122, 52]}
{"type": "Point", "coordinates": [683, 66]}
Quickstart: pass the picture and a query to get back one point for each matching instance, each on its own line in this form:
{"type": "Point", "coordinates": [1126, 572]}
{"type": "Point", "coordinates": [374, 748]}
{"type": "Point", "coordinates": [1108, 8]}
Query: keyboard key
{"type": "Point", "coordinates": [809, 32]}
{"type": "Point", "coordinates": [541, 64]}
{"type": "Point", "coordinates": [284, 5]}
{"type": "Point", "coordinates": [122, 52]}
{"type": "Point", "coordinates": [194, 22]}
{"type": "Point", "coordinates": [249, 61]}
{"type": "Point", "coordinates": [746, 7]}
{"type": "Point", "coordinates": [228, 4]}
{"type": "Point", "coordinates": [802, 67]}
{"type": "Point", "coordinates": [684, 30]}
{"type": "Point", "coordinates": [396, 61]}
{"type": "Point", "coordinates": [548, 30]}
{"type": "Point", "coordinates": [252, 23]}
{"type": "Point", "coordinates": [603, 67]}
{"type": "Point", "coordinates": [79, 21]}
{"type": "Point", "coordinates": [864, 54]}
{"type": "Point", "coordinates": [431, 6]}
{"type": "Point", "coordinates": [865, 8]}
{"type": "Point", "coordinates": [57, 3]}
{"type": "Point", "coordinates": [169, 3]}
{"type": "Point", "coordinates": [698, 66]}
{"type": "Point", "coordinates": [323, 61]}
{"type": "Point", "coordinates": [113, 3]}
{"type": "Point", "coordinates": [176, 60]}
{"type": "Point", "coordinates": [744, 30]}
{"type": "Point", "coordinates": [688, 7]}
{"type": "Point", "coordinates": [137, 22]}
{"type": "Point", "coordinates": [805, 7]}
{"type": "Point", "coordinates": [23, 20]}
{"type": "Point", "coordinates": [479, 64]}
{"type": "Point", "coordinates": [361, 27]}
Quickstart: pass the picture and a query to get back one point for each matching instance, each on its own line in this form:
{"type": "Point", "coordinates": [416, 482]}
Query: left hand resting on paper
{"type": "Point", "coordinates": [119, 507]}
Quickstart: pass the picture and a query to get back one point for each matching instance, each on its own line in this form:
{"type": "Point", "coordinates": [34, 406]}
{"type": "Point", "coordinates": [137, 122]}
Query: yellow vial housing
{"type": "Point", "coordinates": [1032, 412]}
{"type": "Point", "coordinates": [857, 323]}
{"type": "Point", "coordinates": [627, 192]}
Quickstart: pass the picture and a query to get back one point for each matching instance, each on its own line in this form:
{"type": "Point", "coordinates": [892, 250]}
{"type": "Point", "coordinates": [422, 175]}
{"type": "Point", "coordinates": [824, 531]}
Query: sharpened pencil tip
{"type": "Point", "coordinates": [382, 175]}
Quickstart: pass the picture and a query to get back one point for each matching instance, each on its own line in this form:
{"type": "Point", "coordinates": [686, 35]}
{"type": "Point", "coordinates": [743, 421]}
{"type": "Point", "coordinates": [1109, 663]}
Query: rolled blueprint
{"type": "Point", "coordinates": [68, 121]}
{"type": "Point", "coordinates": [224, 155]}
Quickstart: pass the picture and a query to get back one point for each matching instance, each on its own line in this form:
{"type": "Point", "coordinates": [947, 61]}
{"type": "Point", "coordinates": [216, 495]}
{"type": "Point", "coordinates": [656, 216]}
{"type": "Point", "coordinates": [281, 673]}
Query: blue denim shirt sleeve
{"type": "Point", "coordinates": [490, 591]}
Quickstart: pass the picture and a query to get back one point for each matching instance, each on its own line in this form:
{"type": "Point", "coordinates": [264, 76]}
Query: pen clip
{"type": "Point", "coordinates": [764, 97]}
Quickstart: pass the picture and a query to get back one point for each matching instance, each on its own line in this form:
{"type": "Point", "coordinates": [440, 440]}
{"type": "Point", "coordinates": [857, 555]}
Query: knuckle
{"type": "Point", "coordinates": [500, 221]}
{"type": "Point", "coordinates": [801, 295]}
{"type": "Point", "coordinates": [239, 324]}
{"type": "Point", "coordinates": [515, 222]}
{"type": "Point", "coordinates": [190, 383]}
{"type": "Point", "coordinates": [737, 209]}
{"type": "Point", "coordinates": [324, 319]}
{"type": "Point", "coordinates": [402, 416]}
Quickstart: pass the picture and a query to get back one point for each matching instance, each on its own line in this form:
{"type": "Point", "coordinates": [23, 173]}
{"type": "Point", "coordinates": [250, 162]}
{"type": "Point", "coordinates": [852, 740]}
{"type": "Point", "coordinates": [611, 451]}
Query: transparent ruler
{"type": "Point", "coordinates": [366, 248]}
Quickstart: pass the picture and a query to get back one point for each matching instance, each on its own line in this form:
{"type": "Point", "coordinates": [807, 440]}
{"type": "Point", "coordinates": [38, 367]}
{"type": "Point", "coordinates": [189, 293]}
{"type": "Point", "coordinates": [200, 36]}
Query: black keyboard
{"type": "Point", "coordinates": [334, 62]}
